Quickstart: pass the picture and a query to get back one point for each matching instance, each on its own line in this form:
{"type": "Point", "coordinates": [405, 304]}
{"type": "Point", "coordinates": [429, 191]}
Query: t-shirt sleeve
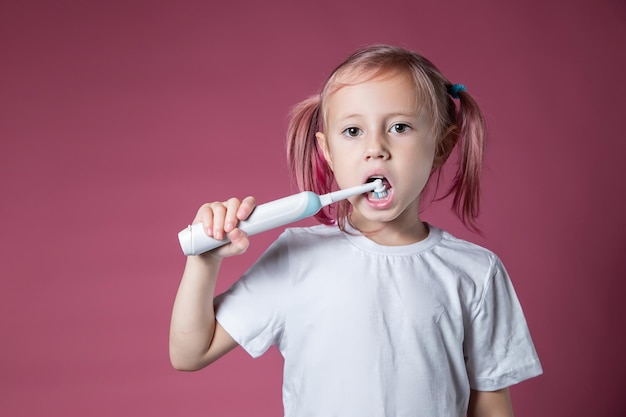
{"type": "Point", "coordinates": [498, 348]}
{"type": "Point", "coordinates": [251, 310]}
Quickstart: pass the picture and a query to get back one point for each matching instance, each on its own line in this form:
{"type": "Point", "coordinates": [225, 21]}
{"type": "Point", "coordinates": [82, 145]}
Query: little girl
{"type": "Point", "coordinates": [375, 312]}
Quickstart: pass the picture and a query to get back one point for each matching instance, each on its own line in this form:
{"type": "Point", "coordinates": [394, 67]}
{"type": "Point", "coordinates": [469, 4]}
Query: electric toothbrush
{"type": "Point", "coordinates": [194, 240]}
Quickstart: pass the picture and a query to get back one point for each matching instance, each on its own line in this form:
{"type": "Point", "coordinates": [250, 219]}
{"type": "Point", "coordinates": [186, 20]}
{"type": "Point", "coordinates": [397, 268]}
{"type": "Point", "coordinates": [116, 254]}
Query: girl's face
{"type": "Point", "coordinates": [374, 130]}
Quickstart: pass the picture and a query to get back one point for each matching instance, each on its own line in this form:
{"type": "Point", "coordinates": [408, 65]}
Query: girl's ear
{"type": "Point", "coordinates": [445, 146]}
{"type": "Point", "coordinates": [323, 145]}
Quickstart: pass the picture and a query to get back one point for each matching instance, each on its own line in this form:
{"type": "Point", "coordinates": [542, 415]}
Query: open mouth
{"type": "Point", "coordinates": [379, 193]}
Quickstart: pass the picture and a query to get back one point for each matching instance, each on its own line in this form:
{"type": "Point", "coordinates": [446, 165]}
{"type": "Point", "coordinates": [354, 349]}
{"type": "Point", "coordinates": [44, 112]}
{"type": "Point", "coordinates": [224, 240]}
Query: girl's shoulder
{"type": "Point", "coordinates": [457, 245]}
{"type": "Point", "coordinates": [470, 258]}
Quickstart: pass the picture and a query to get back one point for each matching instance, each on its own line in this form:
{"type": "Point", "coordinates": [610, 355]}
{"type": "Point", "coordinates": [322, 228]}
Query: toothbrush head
{"type": "Point", "coordinates": [381, 190]}
{"type": "Point", "coordinates": [379, 185]}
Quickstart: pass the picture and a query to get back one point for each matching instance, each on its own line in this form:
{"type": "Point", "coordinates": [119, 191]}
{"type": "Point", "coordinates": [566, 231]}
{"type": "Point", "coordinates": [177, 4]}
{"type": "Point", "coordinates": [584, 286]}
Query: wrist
{"type": "Point", "coordinates": [203, 265]}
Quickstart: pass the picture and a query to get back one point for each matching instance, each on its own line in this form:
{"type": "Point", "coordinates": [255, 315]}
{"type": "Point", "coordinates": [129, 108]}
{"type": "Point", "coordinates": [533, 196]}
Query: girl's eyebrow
{"type": "Point", "coordinates": [387, 115]}
{"type": "Point", "coordinates": [404, 114]}
{"type": "Point", "coordinates": [349, 116]}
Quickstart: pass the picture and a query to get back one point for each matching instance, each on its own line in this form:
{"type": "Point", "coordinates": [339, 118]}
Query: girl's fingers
{"type": "Point", "coordinates": [230, 221]}
{"type": "Point", "coordinates": [245, 209]}
{"type": "Point", "coordinates": [239, 242]}
{"type": "Point", "coordinates": [205, 216]}
{"type": "Point", "coordinates": [220, 218]}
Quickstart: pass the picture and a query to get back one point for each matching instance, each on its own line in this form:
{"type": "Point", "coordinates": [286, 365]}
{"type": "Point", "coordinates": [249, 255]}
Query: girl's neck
{"type": "Point", "coordinates": [395, 233]}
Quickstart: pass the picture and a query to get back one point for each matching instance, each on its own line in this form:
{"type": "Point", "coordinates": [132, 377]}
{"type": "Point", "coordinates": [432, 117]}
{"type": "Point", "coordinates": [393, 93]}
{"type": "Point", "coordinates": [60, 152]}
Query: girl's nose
{"type": "Point", "coordinates": [377, 148]}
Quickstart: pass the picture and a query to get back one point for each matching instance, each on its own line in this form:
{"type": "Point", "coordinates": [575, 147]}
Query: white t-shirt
{"type": "Point", "coordinates": [371, 330]}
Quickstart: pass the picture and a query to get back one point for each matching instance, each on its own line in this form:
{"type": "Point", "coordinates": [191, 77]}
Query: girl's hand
{"type": "Point", "coordinates": [220, 219]}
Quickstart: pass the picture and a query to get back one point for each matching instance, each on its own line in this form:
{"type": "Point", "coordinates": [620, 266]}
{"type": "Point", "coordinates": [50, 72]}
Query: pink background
{"type": "Point", "coordinates": [119, 118]}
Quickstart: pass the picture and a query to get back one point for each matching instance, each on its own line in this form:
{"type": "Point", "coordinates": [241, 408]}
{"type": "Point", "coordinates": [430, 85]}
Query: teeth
{"type": "Point", "coordinates": [380, 194]}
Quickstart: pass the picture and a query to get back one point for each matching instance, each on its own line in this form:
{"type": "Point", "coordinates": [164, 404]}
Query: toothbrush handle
{"type": "Point", "coordinates": [194, 241]}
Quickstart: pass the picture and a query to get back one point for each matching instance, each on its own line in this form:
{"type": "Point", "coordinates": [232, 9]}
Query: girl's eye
{"type": "Point", "coordinates": [400, 128]}
{"type": "Point", "coordinates": [352, 132]}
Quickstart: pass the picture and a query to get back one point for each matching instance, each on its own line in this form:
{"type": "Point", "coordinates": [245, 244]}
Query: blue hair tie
{"type": "Point", "coordinates": [453, 89]}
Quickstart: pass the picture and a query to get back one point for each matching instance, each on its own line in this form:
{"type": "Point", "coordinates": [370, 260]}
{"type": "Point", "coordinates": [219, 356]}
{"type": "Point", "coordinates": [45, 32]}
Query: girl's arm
{"type": "Point", "coordinates": [490, 404]}
{"type": "Point", "coordinates": [196, 338]}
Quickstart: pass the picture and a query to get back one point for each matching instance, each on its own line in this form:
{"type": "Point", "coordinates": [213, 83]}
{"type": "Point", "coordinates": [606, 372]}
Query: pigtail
{"type": "Point", "coordinates": [471, 129]}
{"type": "Point", "coordinates": [306, 160]}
